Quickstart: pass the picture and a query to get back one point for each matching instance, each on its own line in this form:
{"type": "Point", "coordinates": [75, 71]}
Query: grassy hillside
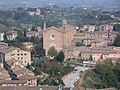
{"type": "Point", "coordinates": [105, 75]}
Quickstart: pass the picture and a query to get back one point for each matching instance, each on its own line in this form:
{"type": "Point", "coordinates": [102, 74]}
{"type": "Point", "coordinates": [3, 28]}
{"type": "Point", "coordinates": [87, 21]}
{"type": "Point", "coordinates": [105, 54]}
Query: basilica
{"type": "Point", "coordinates": [58, 37]}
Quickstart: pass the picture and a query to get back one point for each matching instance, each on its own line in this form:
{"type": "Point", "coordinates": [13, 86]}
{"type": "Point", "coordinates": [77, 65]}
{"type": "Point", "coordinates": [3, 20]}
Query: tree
{"type": "Point", "coordinates": [106, 74]}
{"type": "Point", "coordinates": [78, 44]}
{"type": "Point", "coordinates": [116, 70]}
{"type": "Point", "coordinates": [39, 51]}
{"type": "Point", "coordinates": [116, 27]}
{"type": "Point", "coordinates": [37, 71]}
{"type": "Point", "coordinates": [34, 39]}
{"type": "Point", "coordinates": [52, 52]}
{"type": "Point", "coordinates": [15, 43]}
{"type": "Point", "coordinates": [60, 57]}
{"type": "Point", "coordinates": [29, 67]}
{"type": "Point", "coordinates": [117, 41]}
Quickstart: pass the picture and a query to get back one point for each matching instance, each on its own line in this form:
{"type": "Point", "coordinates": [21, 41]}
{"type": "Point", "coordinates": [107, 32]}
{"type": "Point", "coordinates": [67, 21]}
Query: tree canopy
{"type": "Point", "coordinates": [60, 57]}
{"type": "Point", "coordinates": [117, 41]}
{"type": "Point", "coordinates": [116, 27]}
{"type": "Point", "coordinates": [52, 52]}
{"type": "Point", "coordinates": [105, 75]}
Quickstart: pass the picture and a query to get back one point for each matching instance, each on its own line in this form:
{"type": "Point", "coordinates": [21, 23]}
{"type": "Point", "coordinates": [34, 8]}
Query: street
{"type": "Point", "coordinates": [73, 77]}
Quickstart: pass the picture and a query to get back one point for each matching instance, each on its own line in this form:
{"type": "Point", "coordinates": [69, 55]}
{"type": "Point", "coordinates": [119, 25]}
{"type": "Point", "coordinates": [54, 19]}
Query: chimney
{"type": "Point", "coordinates": [39, 29]}
{"type": "Point", "coordinates": [60, 87]}
{"type": "Point", "coordinates": [44, 26]}
{"type": "Point", "coordinates": [40, 88]}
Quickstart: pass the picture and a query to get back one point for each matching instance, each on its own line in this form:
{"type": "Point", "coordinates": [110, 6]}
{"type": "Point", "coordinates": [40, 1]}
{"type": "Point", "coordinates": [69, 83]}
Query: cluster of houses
{"type": "Point", "coordinates": [34, 12]}
{"type": "Point", "coordinates": [13, 71]}
{"type": "Point", "coordinates": [93, 28]}
{"type": "Point", "coordinates": [96, 45]}
{"type": "Point", "coordinates": [13, 34]}
{"type": "Point", "coordinates": [92, 53]}
{"type": "Point", "coordinates": [95, 42]}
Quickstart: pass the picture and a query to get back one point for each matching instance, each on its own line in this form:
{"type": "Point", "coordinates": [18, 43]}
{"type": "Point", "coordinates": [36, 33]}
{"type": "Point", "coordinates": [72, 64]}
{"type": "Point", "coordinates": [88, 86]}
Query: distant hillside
{"type": "Point", "coordinates": [64, 3]}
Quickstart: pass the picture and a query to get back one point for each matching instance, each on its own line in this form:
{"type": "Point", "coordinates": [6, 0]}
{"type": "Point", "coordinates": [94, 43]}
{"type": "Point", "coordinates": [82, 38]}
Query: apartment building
{"type": "Point", "coordinates": [19, 73]}
{"type": "Point", "coordinates": [32, 34]}
{"type": "Point", "coordinates": [2, 36]}
{"type": "Point", "coordinates": [9, 53]}
{"type": "Point", "coordinates": [11, 35]}
{"type": "Point", "coordinates": [92, 53]}
{"type": "Point", "coordinates": [88, 28]}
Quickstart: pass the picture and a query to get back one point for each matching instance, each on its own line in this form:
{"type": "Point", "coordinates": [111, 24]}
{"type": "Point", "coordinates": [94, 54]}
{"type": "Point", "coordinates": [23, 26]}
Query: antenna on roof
{"type": "Point", "coordinates": [14, 88]}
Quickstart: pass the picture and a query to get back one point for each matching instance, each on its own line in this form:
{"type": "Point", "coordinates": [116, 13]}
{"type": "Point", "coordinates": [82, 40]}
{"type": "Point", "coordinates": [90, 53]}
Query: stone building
{"type": "Point", "coordinates": [28, 45]}
{"type": "Point", "coordinates": [92, 53]}
{"type": "Point", "coordinates": [58, 37]}
{"type": "Point", "coordinates": [11, 35]}
{"type": "Point", "coordinates": [9, 53]}
{"type": "Point", "coordinates": [2, 36]}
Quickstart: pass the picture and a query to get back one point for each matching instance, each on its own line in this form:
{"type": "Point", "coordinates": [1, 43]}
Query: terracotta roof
{"type": "Point", "coordinates": [3, 43]}
{"type": "Point", "coordinates": [32, 88]}
{"type": "Point", "coordinates": [53, 28]}
{"type": "Point", "coordinates": [102, 32]}
{"type": "Point", "coordinates": [7, 49]}
{"type": "Point", "coordinates": [79, 34]}
{"type": "Point", "coordinates": [97, 40]}
{"type": "Point", "coordinates": [10, 32]}
{"type": "Point", "coordinates": [27, 43]}
{"type": "Point", "coordinates": [89, 38]}
{"type": "Point", "coordinates": [44, 88]}
{"type": "Point", "coordinates": [75, 48]}
{"type": "Point", "coordinates": [76, 39]}
{"type": "Point", "coordinates": [22, 70]}
{"type": "Point", "coordinates": [11, 62]}
{"type": "Point", "coordinates": [26, 77]}
{"type": "Point", "coordinates": [4, 75]}
{"type": "Point", "coordinates": [32, 32]}
{"type": "Point", "coordinates": [13, 82]}
{"type": "Point", "coordinates": [78, 88]}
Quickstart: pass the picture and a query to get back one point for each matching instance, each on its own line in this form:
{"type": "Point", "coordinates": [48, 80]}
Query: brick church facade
{"type": "Point", "coordinates": [58, 37]}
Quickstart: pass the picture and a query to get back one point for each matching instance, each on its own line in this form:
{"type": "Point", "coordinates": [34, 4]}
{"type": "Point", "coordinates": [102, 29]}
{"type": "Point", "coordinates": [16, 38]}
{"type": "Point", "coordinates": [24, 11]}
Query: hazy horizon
{"type": "Point", "coordinates": [62, 3]}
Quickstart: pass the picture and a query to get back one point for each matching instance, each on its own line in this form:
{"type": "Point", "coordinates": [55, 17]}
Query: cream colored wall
{"type": "Point", "coordinates": [32, 82]}
{"type": "Point", "coordinates": [29, 46]}
{"type": "Point", "coordinates": [71, 54]}
{"type": "Point", "coordinates": [87, 42]}
{"type": "Point", "coordinates": [85, 56]}
{"type": "Point", "coordinates": [24, 56]}
{"type": "Point", "coordinates": [104, 43]}
{"type": "Point", "coordinates": [111, 56]}
{"type": "Point", "coordinates": [96, 56]}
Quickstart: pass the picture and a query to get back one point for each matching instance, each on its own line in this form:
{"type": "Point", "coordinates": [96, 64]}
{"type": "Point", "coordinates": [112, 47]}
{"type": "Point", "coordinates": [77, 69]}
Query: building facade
{"type": "Point", "coordinates": [2, 36]}
{"type": "Point", "coordinates": [11, 35]}
{"type": "Point", "coordinates": [58, 37]}
{"type": "Point", "coordinates": [10, 53]}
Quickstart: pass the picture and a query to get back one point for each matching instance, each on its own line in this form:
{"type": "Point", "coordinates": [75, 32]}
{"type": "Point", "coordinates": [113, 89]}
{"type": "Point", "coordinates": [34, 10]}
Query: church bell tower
{"type": "Point", "coordinates": [64, 32]}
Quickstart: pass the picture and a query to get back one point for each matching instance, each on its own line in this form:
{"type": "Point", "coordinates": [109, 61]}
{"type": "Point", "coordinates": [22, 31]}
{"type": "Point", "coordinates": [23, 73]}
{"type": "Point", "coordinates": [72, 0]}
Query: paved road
{"type": "Point", "coordinates": [73, 77]}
